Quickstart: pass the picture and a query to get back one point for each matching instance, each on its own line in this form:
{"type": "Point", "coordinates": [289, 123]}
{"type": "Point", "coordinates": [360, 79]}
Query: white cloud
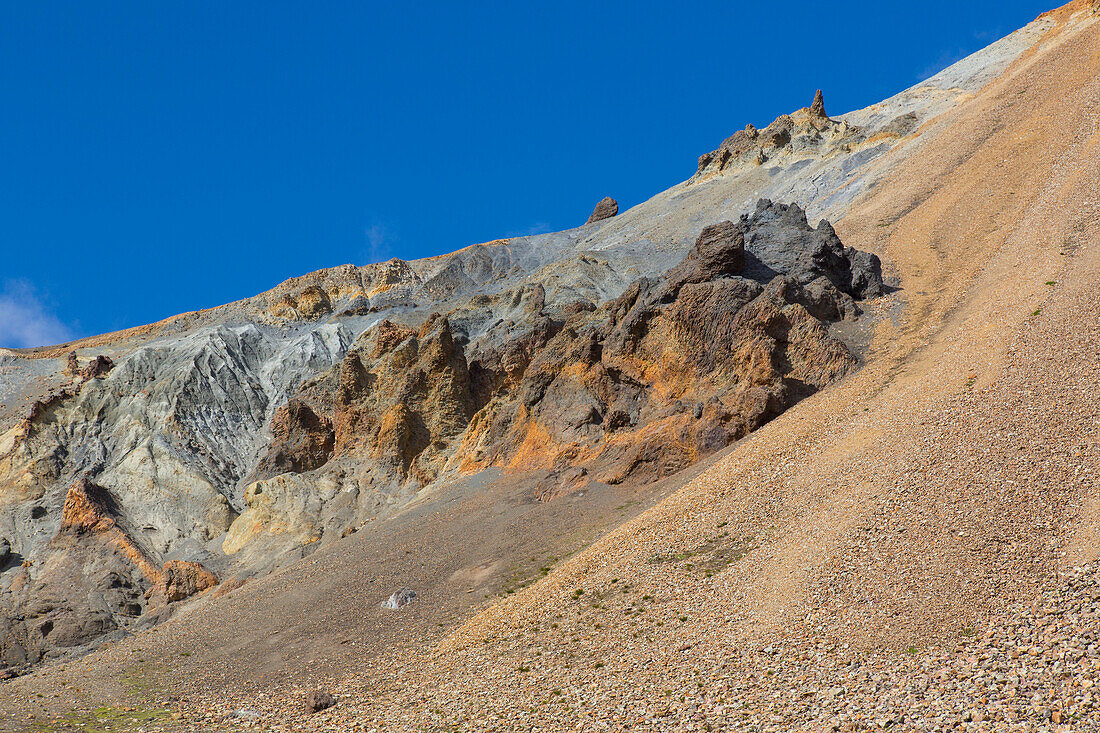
{"type": "Point", "coordinates": [540, 227]}
{"type": "Point", "coordinates": [25, 321]}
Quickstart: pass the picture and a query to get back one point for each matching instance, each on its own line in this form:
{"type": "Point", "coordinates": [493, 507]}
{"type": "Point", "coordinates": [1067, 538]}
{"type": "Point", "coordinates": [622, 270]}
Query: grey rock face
{"type": "Point", "coordinates": [605, 209]}
{"type": "Point", "coordinates": [779, 240]}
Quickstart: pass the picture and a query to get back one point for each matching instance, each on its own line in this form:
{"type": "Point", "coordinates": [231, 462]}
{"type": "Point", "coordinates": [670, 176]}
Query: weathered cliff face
{"type": "Point", "coordinates": [226, 442]}
{"type": "Point", "coordinates": [124, 470]}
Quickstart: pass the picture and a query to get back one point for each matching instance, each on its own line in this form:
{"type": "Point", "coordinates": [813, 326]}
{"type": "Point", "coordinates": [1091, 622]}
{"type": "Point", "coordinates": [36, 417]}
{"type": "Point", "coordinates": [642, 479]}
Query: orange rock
{"type": "Point", "coordinates": [181, 579]}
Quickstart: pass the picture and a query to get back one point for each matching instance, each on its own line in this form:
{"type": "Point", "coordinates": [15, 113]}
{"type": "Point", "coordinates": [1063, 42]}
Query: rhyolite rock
{"type": "Point", "coordinates": [182, 579]}
{"type": "Point", "coordinates": [804, 135]}
{"type": "Point", "coordinates": [780, 241]}
{"type": "Point", "coordinates": [718, 252]}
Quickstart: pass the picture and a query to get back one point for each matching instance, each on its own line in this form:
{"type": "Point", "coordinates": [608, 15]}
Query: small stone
{"type": "Point", "coordinates": [318, 700]}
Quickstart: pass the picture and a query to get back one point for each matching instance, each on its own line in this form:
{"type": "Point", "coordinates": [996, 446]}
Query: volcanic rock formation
{"type": "Point", "coordinates": [636, 388]}
{"type": "Point", "coordinates": [302, 443]}
{"type": "Point", "coordinates": [462, 424]}
{"type": "Point", "coordinates": [806, 134]}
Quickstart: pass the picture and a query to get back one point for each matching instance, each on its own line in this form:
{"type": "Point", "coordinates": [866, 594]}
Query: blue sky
{"type": "Point", "coordinates": [165, 157]}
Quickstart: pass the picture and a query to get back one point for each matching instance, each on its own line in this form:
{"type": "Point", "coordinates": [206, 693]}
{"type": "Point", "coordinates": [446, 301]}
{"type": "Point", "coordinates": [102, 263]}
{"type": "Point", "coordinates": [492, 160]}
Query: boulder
{"type": "Point", "coordinates": [607, 208]}
{"type": "Point", "coordinates": [780, 241]}
{"type": "Point", "coordinates": [96, 368]}
{"type": "Point", "coordinates": [88, 508]}
{"type": "Point", "coordinates": [718, 252]}
{"type": "Point", "coordinates": [301, 441]}
{"type": "Point", "coordinates": [399, 599]}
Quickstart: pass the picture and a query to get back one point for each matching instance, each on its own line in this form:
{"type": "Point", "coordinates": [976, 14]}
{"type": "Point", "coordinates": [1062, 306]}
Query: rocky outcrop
{"type": "Point", "coordinates": [633, 389]}
{"type": "Point", "coordinates": [779, 240]}
{"type": "Point", "coordinates": [95, 576]}
{"type": "Point", "coordinates": [88, 508]}
{"type": "Point", "coordinates": [301, 441]}
{"type": "Point", "coordinates": [807, 133]}
{"type": "Point", "coordinates": [98, 367]}
{"type": "Point", "coordinates": [675, 369]}
{"type": "Point", "coordinates": [605, 209]}
{"type": "Point", "coordinates": [133, 467]}
{"type": "Point", "coordinates": [718, 252]}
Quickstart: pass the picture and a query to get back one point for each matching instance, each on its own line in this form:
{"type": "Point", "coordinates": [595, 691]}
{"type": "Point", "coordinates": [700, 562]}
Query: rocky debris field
{"type": "Point", "coordinates": [1035, 670]}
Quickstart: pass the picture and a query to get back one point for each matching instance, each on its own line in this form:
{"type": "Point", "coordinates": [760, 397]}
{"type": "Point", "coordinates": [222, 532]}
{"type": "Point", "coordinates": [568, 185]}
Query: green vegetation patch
{"type": "Point", "coordinates": [105, 720]}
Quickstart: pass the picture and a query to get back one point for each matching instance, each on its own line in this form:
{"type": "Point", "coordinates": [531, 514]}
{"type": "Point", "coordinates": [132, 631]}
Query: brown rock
{"type": "Point", "coordinates": [606, 209]}
{"type": "Point", "coordinates": [719, 252]}
{"type": "Point", "coordinates": [181, 579]}
{"type": "Point", "coordinates": [817, 109]}
{"type": "Point", "coordinates": [318, 700]}
{"type": "Point", "coordinates": [88, 508]}
{"type": "Point", "coordinates": [309, 303]}
{"type": "Point", "coordinates": [302, 441]}
{"type": "Point", "coordinates": [96, 368]}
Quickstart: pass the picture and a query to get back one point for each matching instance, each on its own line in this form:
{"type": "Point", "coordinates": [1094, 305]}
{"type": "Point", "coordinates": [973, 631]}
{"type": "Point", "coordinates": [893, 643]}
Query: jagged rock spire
{"type": "Point", "coordinates": [817, 109]}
